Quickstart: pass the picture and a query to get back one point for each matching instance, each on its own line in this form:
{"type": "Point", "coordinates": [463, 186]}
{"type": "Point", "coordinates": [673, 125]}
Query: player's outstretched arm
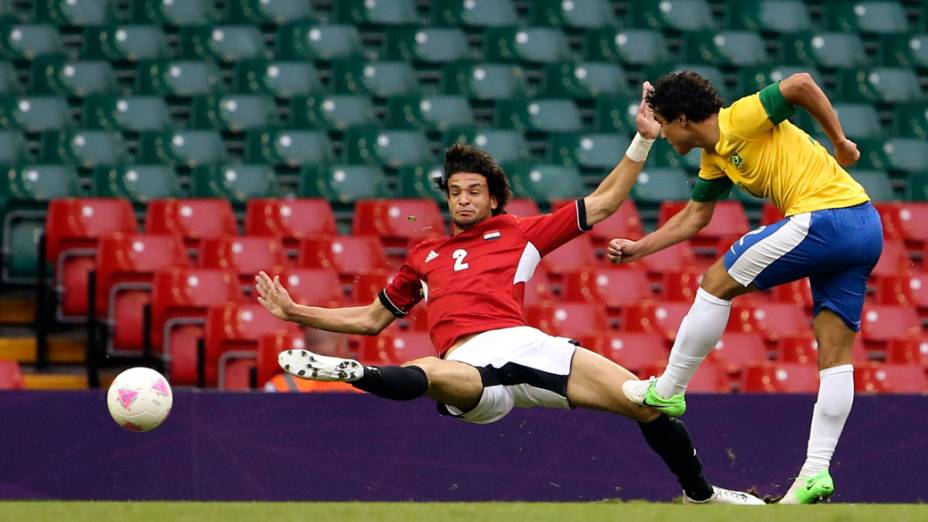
{"type": "Point", "coordinates": [682, 226]}
{"type": "Point", "coordinates": [361, 320]}
{"type": "Point", "coordinates": [801, 90]}
{"type": "Point", "coordinates": [613, 190]}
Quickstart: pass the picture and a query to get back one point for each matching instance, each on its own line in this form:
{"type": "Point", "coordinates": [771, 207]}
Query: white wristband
{"type": "Point", "coordinates": [639, 147]}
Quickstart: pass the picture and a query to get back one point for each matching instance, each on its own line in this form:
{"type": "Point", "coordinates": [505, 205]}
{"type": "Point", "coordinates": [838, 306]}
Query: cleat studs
{"type": "Point", "coordinates": [289, 352]}
{"type": "Point", "coordinates": [286, 367]}
{"type": "Point", "coordinates": [301, 373]}
{"type": "Point", "coordinates": [302, 353]}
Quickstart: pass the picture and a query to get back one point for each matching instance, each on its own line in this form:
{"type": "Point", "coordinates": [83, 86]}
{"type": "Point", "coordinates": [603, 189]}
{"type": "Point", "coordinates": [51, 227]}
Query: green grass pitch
{"type": "Point", "coordinates": [439, 512]}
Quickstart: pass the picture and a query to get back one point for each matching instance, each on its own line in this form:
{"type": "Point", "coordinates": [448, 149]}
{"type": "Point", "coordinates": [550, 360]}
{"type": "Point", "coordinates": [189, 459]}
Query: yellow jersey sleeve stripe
{"type": "Point", "coordinates": [778, 109]}
{"type": "Point", "coordinates": [707, 190]}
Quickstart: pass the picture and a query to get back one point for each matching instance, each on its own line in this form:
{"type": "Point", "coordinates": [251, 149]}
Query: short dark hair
{"type": "Point", "coordinates": [462, 157]}
{"type": "Point", "coordinates": [686, 93]}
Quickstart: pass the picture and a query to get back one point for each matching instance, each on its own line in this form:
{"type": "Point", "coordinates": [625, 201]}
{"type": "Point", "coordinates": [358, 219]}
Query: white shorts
{"type": "Point", "coordinates": [520, 367]}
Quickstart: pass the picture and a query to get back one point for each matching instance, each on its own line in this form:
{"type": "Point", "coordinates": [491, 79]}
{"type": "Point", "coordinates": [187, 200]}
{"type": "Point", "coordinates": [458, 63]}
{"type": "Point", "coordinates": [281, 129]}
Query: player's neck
{"type": "Point", "coordinates": [709, 133]}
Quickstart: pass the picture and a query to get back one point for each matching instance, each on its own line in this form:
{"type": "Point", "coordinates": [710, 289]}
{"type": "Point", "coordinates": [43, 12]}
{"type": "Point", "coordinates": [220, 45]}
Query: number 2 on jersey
{"type": "Point", "coordinates": [459, 263]}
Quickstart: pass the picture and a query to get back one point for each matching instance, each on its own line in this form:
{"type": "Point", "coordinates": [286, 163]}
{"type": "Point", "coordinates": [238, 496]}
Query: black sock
{"type": "Point", "coordinates": [669, 439]}
{"type": "Point", "coordinates": [400, 383]}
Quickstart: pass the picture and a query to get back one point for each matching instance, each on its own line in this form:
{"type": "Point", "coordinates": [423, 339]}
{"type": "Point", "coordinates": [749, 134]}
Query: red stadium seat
{"type": "Point", "coordinates": [11, 378]}
{"type": "Point", "coordinates": [191, 219]}
{"type": "Point", "coordinates": [728, 221]}
{"type": "Point", "coordinates": [894, 261]}
{"type": "Point", "coordinates": [569, 319]}
{"type": "Point", "coordinates": [522, 207]}
{"type": "Point", "coordinates": [314, 286]}
{"type": "Point", "coordinates": [906, 220]}
{"type": "Point", "coordinates": [126, 264]}
{"type": "Point", "coordinates": [616, 287]}
{"type": "Point", "coordinates": [890, 378]}
{"type": "Point", "coordinates": [180, 298]}
{"type": "Point", "coordinates": [908, 351]}
{"type": "Point", "coordinates": [348, 255]}
{"type": "Point", "coordinates": [290, 219]}
{"type": "Point", "coordinates": [918, 285]}
{"type": "Point", "coordinates": [625, 223]}
{"type": "Point", "coordinates": [709, 377]}
{"type": "Point", "coordinates": [780, 378]}
{"type": "Point", "coordinates": [246, 255]}
{"type": "Point", "coordinates": [269, 345]}
{"type": "Point", "coordinates": [417, 319]}
{"type": "Point", "coordinates": [537, 289]}
{"type": "Point", "coordinates": [398, 221]}
{"type": "Point", "coordinates": [681, 286]}
{"type": "Point", "coordinates": [674, 259]}
{"type": "Point", "coordinates": [73, 227]}
{"type": "Point", "coordinates": [736, 350]}
{"type": "Point", "coordinates": [633, 350]}
{"type": "Point", "coordinates": [772, 320]}
{"type": "Point", "coordinates": [574, 256]}
{"type": "Point", "coordinates": [803, 349]}
{"type": "Point", "coordinates": [797, 292]}
{"type": "Point", "coordinates": [661, 318]}
{"type": "Point", "coordinates": [365, 288]}
{"type": "Point", "coordinates": [880, 324]}
{"type": "Point", "coordinates": [396, 346]}
{"type": "Point", "coordinates": [769, 214]}
{"type": "Point", "coordinates": [911, 290]}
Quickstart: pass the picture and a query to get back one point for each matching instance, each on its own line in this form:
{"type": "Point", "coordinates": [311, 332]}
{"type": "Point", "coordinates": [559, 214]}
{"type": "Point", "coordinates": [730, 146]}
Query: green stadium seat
{"type": "Point", "coordinates": [343, 184]}
{"type": "Point", "coordinates": [415, 181]}
{"type": "Point", "coordinates": [912, 119]}
{"type": "Point", "coordinates": [616, 113]}
{"type": "Point", "coordinates": [709, 72]}
{"type": "Point", "coordinates": [331, 112]}
{"type": "Point", "coordinates": [35, 113]}
{"type": "Point", "coordinates": [633, 47]}
{"type": "Point", "coordinates": [752, 79]}
{"type": "Point", "coordinates": [587, 150]}
{"type": "Point", "coordinates": [276, 12]}
{"type": "Point", "coordinates": [175, 12]}
{"type": "Point", "coordinates": [9, 79]}
{"type": "Point", "coordinates": [55, 75]}
{"type": "Point", "coordinates": [882, 84]}
{"type": "Point", "coordinates": [484, 81]}
{"type": "Point", "coordinates": [906, 154]}
{"type": "Point", "coordinates": [83, 148]}
{"type": "Point", "coordinates": [585, 80]}
{"type": "Point", "coordinates": [137, 183]}
{"type": "Point", "coordinates": [427, 44]}
{"type": "Point", "coordinates": [224, 43]}
{"type": "Point", "coordinates": [13, 149]}
{"type": "Point", "coordinates": [859, 120]}
{"type": "Point", "coordinates": [905, 50]}
{"type": "Point", "coordinates": [527, 45]}
{"type": "Point", "coordinates": [573, 14]}
{"type": "Point", "coordinates": [378, 79]}
{"type": "Point", "coordinates": [917, 186]}
{"type": "Point", "coordinates": [312, 41]}
{"type": "Point", "coordinates": [125, 42]}
{"type": "Point", "coordinates": [280, 79]}
{"type": "Point", "coordinates": [866, 17]}
{"type": "Point", "coordinates": [505, 145]}
{"type": "Point", "coordinates": [664, 156]}
{"type": "Point", "coordinates": [681, 15]}
{"type": "Point", "coordinates": [234, 182]}
{"type": "Point", "coordinates": [474, 13]}
{"type": "Point", "coordinates": [290, 147]}
{"type": "Point", "coordinates": [126, 113]}
{"type": "Point", "coordinates": [29, 41]}
{"type": "Point", "coordinates": [390, 148]}
{"type": "Point", "coordinates": [430, 113]}
{"type": "Point", "coordinates": [233, 112]}
{"type": "Point", "coordinates": [543, 115]}
{"type": "Point", "coordinates": [773, 16]}
{"type": "Point", "coordinates": [876, 183]}
{"type": "Point", "coordinates": [372, 12]}
{"type": "Point", "coordinates": [181, 78]}
{"type": "Point", "coordinates": [73, 12]}
{"type": "Point", "coordinates": [544, 182]}
{"type": "Point", "coordinates": [823, 49]}
{"type": "Point", "coordinates": [8, 12]}
{"type": "Point", "coordinates": [182, 147]}
{"type": "Point", "coordinates": [735, 48]}
{"type": "Point", "coordinates": [872, 153]}
{"type": "Point", "coordinates": [655, 186]}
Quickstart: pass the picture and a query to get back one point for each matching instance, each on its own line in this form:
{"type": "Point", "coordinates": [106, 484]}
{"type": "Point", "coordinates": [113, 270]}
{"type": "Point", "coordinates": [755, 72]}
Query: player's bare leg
{"type": "Point", "coordinates": [451, 382]}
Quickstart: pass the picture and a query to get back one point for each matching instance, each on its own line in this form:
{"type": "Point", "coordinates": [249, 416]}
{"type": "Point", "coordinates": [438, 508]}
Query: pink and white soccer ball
{"type": "Point", "coordinates": [139, 399]}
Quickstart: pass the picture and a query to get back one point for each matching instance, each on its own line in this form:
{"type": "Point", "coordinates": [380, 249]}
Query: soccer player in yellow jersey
{"type": "Point", "coordinates": [831, 234]}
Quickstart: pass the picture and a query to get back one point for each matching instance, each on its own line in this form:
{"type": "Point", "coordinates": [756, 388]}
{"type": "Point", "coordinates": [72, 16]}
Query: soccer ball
{"type": "Point", "coordinates": [139, 399]}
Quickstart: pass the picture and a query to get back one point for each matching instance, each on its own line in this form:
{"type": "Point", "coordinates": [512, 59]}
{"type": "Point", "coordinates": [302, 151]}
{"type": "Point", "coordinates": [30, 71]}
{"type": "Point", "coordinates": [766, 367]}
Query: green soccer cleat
{"type": "Point", "coordinates": [643, 393]}
{"type": "Point", "coordinates": [810, 490]}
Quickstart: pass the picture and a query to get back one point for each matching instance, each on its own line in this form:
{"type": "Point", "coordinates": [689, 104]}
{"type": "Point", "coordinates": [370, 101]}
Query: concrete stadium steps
{"type": "Point", "coordinates": [63, 350]}
{"type": "Point", "coordinates": [17, 308]}
{"type": "Point", "coordinates": [55, 381]}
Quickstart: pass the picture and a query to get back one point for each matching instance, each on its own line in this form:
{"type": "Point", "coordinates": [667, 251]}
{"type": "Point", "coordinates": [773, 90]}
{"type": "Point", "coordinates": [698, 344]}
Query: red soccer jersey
{"type": "Point", "coordinates": [474, 281]}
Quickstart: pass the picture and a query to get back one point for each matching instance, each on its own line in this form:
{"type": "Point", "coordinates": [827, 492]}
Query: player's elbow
{"type": "Point", "coordinates": [797, 87]}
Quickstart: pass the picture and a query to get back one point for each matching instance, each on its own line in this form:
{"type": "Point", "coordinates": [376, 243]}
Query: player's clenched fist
{"type": "Point", "coordinates": [272, 295]}
{"type": "Point", "coordinates": [622, 251]}
{"type": "Point", "coordinates": [846, 153]}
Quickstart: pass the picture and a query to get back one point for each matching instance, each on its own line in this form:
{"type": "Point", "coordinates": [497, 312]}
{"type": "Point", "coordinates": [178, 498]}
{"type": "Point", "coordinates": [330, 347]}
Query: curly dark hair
{"type": "Point", "coordinates": [462, 157]}
{"type": "Point", "coordinates": [686, 93]}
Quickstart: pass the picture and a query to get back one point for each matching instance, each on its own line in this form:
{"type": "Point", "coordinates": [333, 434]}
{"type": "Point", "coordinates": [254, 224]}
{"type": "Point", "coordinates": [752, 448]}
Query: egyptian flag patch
{"type": "Point", "coordinates": [494, 234]}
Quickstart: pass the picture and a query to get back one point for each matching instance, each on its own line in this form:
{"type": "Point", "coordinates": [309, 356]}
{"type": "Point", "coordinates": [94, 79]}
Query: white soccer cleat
{"type": "Point", "coordinates": [635, 390]}
{"type": "Point", "coordinates": [727, 496]}
{"type": "Point", "coordinates": [308, 365]}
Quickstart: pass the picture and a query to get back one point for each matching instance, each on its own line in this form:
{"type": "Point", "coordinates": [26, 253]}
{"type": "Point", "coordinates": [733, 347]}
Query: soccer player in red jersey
{"type": "Point", "coordinates": [473, 282]}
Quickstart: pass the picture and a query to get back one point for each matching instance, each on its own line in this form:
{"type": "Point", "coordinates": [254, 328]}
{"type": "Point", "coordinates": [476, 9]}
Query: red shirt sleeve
{"type": "Point", "coordinates": [403, 292]}
{"type": "Point", "coordinates": [549, 231]}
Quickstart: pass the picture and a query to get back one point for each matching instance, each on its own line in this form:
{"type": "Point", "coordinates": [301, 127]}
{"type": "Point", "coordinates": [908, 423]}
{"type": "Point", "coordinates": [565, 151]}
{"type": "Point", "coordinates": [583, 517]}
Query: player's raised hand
{"type": "Point", "coordinates": [648, 127]}
{"type": "Point", "coordinates": [846, 152]}
{"type": "Point", "coordinates": [272, 295]}
{"type": "Point", "coordinates": [622, 251]}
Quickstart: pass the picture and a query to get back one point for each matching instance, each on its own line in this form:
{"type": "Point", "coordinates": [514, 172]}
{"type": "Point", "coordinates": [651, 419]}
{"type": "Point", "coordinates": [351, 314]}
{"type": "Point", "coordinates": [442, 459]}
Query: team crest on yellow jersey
{"type": "Point", "coordinates": [736, 160]}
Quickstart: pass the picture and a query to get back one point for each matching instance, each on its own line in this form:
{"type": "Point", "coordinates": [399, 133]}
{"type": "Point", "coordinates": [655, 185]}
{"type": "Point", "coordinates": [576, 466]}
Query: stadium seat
{"type": "Point", "coordinates": [628, 46]}
{"type": "Point", "coordinates": [536, 45]}
{"type": "Point", "coordinates": [661, 318]}
{"type": "Point", "coordinates": [27, 41]}
{"type": "Point", "coordinates": [391, 148]}
{"type": "Point", "coordinates": [881, 324]}
{"type": "Point", "coordinates": [398, 221]}
{"type": "Point", "coordinates": [190, 219]}
{"type": "Point", "coordinates": [681, 286]}
{"type": "Point", "coordinates": [365, 12]}
{"type": "Point", "coordinates": [504, 145]}
{"type": "Point", "coordinates": [431, 113]}
{"type": "Point", "coordinates": [912, 352]}
{"type": "Point", "coordinates": [780, 378]}
{"type": "Point", "coordinates": [245, 255]}
{"type": "Point", "coordinates": [312, 41]}
{"type": "Point", "coordinates": [738, 350]}
{"type": "Point", "coordinates": [73, 227]}
{"type": "Point", "coordinates": [673, 259]}
{"type": "Point", "coordinates": [728, 221]}
{"type": "Point", "coordinates": [183, 78]}
{"type": "Point", "coordinates": [911, 119]}
{"type": "Point", "coordinates": [236, 183]}
{"type": "Point", "coordinates": [223, 43]}
{"type": "Point", "coordinates": [658, 185]}
{"type": "Point", "coordinates": [616, 287]}
{"type": "Point", "coordinates": [906, 221]}
{"type": "Point", "coordinates": [803, 349]}
{"type": "Point", "coordinates": [890, 378]}
{"type": "Point", "coordinates": [331, 112]}
{"type": "Point", "coordinates": [396, 346]}
{"type": "Point", "coordinates": [796, 292]}
{"type": "Point", "coordinates": [180, 298]}
{"type": "Point", "coordinates": [751, 79]}
{"type": "Point", "coordinates": [664, 155]}
{"type": "Point", "coordinates": [416, 181]}
{"type": "Point", "coordinates": [282, 79]}
{"type": "Point", "coordinates": [616, 114]}
{"type": "Point", "coordinates": [880, 85]}
{"type": "Point", "coordinates": [568, 319]}
{"type": "Point", "coordinates": [427, 45]}
{"type": "Point", "coordinates": [342, 184]}
{"type": "Point", "coordinates": [859, 120]}
{"type": "Point", "coordinates": [125, 43]}
{"type": "Point", "coordinates": [234, 113]}
{"type": "Point", "coordinates": [680, 15]}
{"type": "Point", "coordinates": [347, 255]}
{"type": "Point", "coordinates": [312, 286]}
{"type": "Point", "coordinates": [54, 75]}
{"type": "Point", "coordinates": [522, 207]}
{"type": "Point", "coordinates": [171, 13]}
{"type": "Point", "coordinates": [269, 347]}
{"type": "Point", "coordinates": [575, 256]}
{"type": "Point", "coordinates": [182, 147]}
{"type": "Point", "coordinates": [905, 50]}
{"type": "Point", "coordinates": [35, 113]}
{"type": "Point", "coordinates": [873, 155]}
{"type": "Point", "coordinates": [84, 148]}
{"type": "Point", "coordinates": [625, 223]}
{"type": "Point", "coordinates": [907, 155]}
{"type": "Point", "coordinates": [539, 115]}
{"type": "Point", "coordinates": [289, 219]}
{"type": "Point", "coordinates": [288, 147]}
{"type": "Point", "coordinates": [73, 13]}
{"type": "Point", "coordinates": [137, 183]}
{"type": "Point", "coordinates": [866, 17]}
{"type": "Point", "coordinates": [11, 377]}
{"type": "Point", "coordinates": [276, 12]}
{"type": "Point", "coordinates": [635, 351]}
{"type": "Point", "coordinates": [12, 147]}
{"type": "Point", "coordinates": [824, 49]}
{"type": "Point", "coordinates": [772, 16]}
{"type": "Point", "coordinates": [894, 260]}
{"type": "Point", "coordinates": [475, 13]}
{"type": "Point", "coordinates": [732, 48]}
{"type": "Point", "coordinates": [579, 15]}
{"type": "Point", "coordinates": [772, 320]}
{"type": "Point", "coordinates": [126, 113]}
{"type": "Point", "coordinates": [544, 182]}
{"type": "Point", "coordinates": [9, 80]}
{"type": "Point", "coordinates": [917, 186]}
{"type": "Point", "coordinates": [538, 289]}
{"type": "Point", "coordinates": [485, 80]}
{"type": "Point", "coordinates": [380, 79]}
{"type": "Point", "coordinates": [585, 80]}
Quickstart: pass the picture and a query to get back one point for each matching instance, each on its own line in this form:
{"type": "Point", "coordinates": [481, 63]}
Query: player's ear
{"type": "Point", "coordinates": [493, 203]}
{"type": "Point", "coordinates": [683, 120]}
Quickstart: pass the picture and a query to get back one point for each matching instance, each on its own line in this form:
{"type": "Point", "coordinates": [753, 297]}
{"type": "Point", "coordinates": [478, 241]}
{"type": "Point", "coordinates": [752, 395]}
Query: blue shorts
{"type": "Point", "coordinates": [835, 248]}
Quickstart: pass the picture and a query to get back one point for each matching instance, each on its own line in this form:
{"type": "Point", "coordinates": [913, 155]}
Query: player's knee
{"type": "Point", "coordinates": [719, 283]}
{"type": "Point", "coordinates": [429, 365]}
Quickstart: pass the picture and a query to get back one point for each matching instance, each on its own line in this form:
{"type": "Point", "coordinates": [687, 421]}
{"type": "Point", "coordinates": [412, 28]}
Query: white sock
{"type": "Point", "coordinates": [699, 332]}
{"type": "Point", "coordinates": [835, 397]}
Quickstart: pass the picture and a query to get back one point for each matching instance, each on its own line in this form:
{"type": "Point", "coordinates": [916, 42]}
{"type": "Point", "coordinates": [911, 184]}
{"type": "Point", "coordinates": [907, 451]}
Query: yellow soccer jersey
{"type": "Point", "coordinates": [769, 157]}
